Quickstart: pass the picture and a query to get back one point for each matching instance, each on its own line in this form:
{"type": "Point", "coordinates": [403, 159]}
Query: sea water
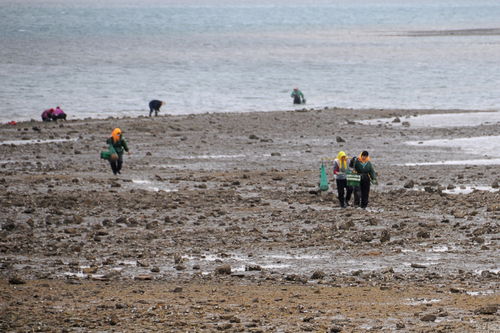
{"type": "Point", "coordinates": [100, 58]}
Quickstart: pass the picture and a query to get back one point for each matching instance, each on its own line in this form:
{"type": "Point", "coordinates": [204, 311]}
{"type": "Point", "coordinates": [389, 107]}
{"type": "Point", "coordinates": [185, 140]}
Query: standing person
{"type": "Point", "coordinates": [47, 114]}
{"type": "Point", "coordinates": [340, 170]}
{"type": "Point", "coordinates": [155, 106]}
{"type": "Point", "coordinates": [117, 144]}
{"type": "Point", "coordinates": [355, 189]}
{"type": "Point", "coordinates": [364, 167]}
{"type": "Point", "coordinates": [298, 96]}
{"type": "Point", "coordinates": [58, 114]}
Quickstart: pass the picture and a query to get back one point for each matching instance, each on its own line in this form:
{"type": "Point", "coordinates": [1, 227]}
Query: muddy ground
{"type": "Point", "coordinates": [216, 224]}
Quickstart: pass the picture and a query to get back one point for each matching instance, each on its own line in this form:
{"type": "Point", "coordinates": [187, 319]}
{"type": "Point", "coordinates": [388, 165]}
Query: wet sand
{"type": "Point", "coordinates": [216, 223]}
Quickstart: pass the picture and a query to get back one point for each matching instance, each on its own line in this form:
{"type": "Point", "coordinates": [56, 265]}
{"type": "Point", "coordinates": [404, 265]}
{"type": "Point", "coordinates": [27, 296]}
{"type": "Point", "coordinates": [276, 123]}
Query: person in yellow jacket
{"type": "Point", "coordinates": [340, 170]}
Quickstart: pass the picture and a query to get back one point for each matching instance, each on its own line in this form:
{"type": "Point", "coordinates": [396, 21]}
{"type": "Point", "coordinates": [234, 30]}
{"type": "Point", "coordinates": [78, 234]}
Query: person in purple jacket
{"type": "Point", "coordinates": [58, 114]}
{"type": "Point", "coordinates": [47, 115]}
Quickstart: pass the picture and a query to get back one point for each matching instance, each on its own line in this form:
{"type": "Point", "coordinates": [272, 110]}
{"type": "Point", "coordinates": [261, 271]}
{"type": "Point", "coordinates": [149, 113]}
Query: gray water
{"type": "Point", "coordinates": [109, 58]}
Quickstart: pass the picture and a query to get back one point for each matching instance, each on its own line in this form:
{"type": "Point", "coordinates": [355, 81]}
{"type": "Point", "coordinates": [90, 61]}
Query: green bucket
{"type": "Point", "coordinates": [106, 154]}
{"type": "Point", "coordinates": [353, 180]}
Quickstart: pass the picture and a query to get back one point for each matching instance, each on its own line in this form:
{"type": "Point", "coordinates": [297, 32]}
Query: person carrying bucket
{"type": "Point", "coordinates": [117, 144]}
{"type": "Point", "coordinates": [340, 170]}
{"type": "Point", "coordinates": [364, 168]}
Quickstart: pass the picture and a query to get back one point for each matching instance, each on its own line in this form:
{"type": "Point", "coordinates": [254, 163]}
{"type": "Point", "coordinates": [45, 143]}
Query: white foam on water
{"type": "Point", "coordinates": [480, 271]}
{"type": "Point", "coordinates": [295, 257]}
{"type": "Point", "coordinates": [479, 293]}
{"type": "Point", "coordinates": [274, 266]}
{"type": "Point", "coordinates": [417, 301]}
{"type": "Point", "coordinates": [442, 119]}
{"type": "Point", "coordinates": [127, 262]}
{"type": "Point", "coordinates": [79, 274]}
{"type": "Point", "coordinates": [439, 248]}
{"type": "Point", "coordinates": [470, 189]}
{"type": "Point", "coordinates": [34, 141]}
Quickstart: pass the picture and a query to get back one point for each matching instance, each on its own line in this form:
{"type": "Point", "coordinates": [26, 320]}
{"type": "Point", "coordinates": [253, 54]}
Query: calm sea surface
{"type": "Point", "coordinates": [110, 57]}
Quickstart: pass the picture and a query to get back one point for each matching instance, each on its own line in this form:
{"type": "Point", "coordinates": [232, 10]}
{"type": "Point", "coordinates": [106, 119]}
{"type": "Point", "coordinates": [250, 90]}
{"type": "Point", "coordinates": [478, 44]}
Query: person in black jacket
{"type": "Point", "coordinates": [155, 106]}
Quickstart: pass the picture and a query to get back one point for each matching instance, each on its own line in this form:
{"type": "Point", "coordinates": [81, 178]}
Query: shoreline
{"type": "Point", "coordinates": [219, 215]}
{"type": "Point", "coordinates": [165, 113]}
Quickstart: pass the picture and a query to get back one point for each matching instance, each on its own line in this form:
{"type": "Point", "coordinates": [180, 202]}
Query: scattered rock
{"type": "Point", "coordinates": [339, 139]}
{"type": "Point", "coordinates": [223, 270]}
{"type": "Point", "coordinates": [385, 236]}
{"type": "Point", "coordinates": [318, 275]}
{"type": "Point", "coordinates": [423, 234]}
{"type": "Point", "coordinates": [396, 120]}
{"type": "Point", "coordinates": [418, 266]}
{"type": "Point", "coordinates": [113, 320]}
{"type": "Point", "coordinates": [428, 317]}
{"type": "Point", "coordinates": [409, 184]}
{"type": "Point", "coordinates": [155, 269]}
{"type": "Point", "coordinates": [253, 268]}
{"type": "Point", "coordinates": [490, 309]}
{"type": "Point", "coordinates": [16, 280]}
{"type": "Point", "coordinates": [479, 240]}
{"type": "Point", "coordinates": [253, 137]}
{"type": "Point", "coordinates": [143, 277]}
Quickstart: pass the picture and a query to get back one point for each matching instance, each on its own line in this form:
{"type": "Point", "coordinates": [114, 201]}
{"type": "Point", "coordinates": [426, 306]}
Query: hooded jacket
{"type": "Point", "coordinates": [116, 142]}
{"type": "Point", "coordinates": [341, 167]}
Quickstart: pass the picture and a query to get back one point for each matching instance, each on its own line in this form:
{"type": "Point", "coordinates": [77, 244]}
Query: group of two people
{"type": "Point", "coordinates": [360, 165]}
{"type": "Point", "coordinates": [53, 114]}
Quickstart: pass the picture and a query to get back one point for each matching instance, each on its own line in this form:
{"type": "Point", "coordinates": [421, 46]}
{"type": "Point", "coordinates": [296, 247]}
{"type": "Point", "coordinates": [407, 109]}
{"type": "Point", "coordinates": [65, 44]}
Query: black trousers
{"type": "Point", "coordinates": [296, 100]}
{"type": "Point", "coordinates": [356, 191]}
{"type": "Point", "coordinates": [364, 186]}
{"type": "Point", "coordinates": [344, 192]}
{"type": "Point", "coordinates": [116, 166]}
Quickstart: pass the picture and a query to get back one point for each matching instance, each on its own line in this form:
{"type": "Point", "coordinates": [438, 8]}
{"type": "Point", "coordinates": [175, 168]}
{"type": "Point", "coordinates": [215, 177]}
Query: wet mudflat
{"type": "Point", "coordinates": [216, 223]}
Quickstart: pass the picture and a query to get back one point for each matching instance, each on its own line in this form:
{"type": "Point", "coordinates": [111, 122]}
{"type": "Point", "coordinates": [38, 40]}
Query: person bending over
{"type": "Point", "coordinates": [58, 114]}
{"type": "Point", "coordinates": [47, 115]}
{"type": "Point", "coordinates": [155, 106]}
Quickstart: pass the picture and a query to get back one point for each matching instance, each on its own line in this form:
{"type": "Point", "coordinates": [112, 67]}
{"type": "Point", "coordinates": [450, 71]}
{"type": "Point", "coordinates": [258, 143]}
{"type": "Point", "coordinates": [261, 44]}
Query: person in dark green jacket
{"type": "Point", "coordinates": [363, 166]}
{"type": "Point", "coordinates": [298, 96]}
{"type": "Point", "coordinates": [117, 144]}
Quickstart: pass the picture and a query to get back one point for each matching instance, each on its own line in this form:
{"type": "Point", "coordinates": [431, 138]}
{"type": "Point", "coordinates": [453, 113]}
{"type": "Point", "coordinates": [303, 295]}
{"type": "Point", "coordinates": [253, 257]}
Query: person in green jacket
{"type": "Point", "coordinates": [117, 144]}
{"type": "Point", "coordinates": [363, 166]}
{"type": "Point", "coordinates": [298, 96]}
